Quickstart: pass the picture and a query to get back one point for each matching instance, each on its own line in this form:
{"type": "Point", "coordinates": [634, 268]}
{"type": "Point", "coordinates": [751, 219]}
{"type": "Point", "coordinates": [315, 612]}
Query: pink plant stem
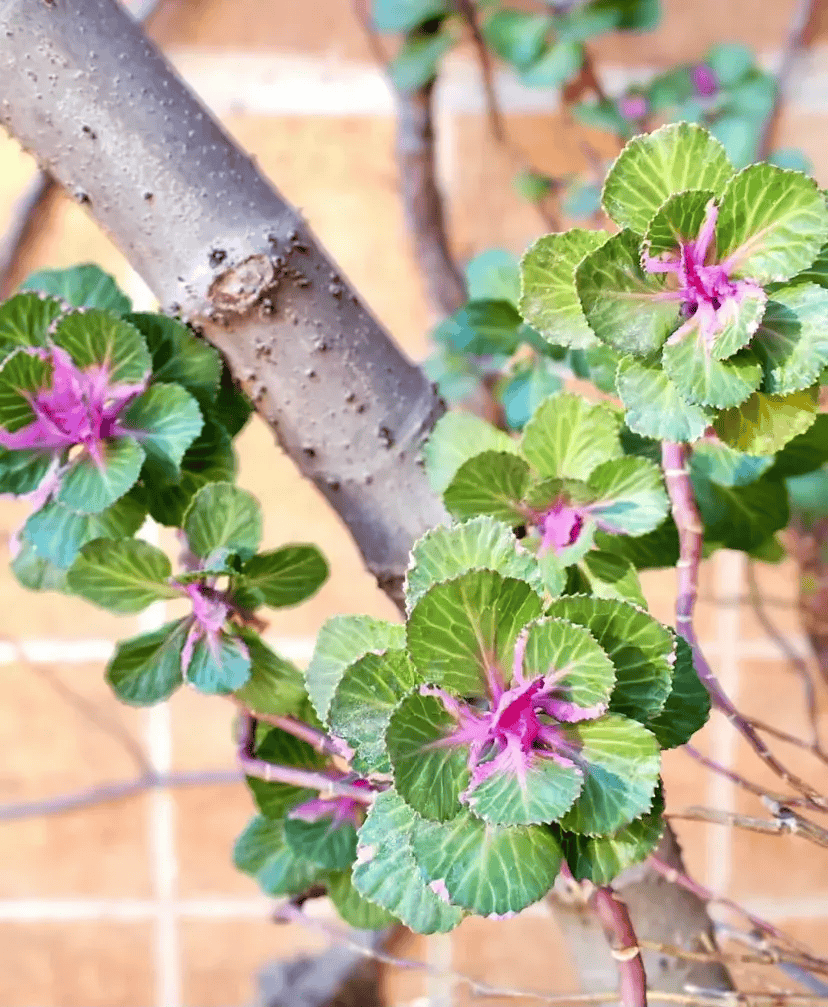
{"type": "Point", "coordinates": [675, 462]}
{"type": "Point", "coordinates": [312, 735]}
{"type": "Point", "coordinates": [615, 918]}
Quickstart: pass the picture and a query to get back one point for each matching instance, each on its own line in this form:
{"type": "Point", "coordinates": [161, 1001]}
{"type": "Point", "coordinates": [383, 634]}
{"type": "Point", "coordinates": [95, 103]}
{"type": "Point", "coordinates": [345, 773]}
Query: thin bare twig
{"type": "Point", "coordinates": [792, 739]}
{"type": "Point", "coordinates": [766, 955]}
{"type": "Point", "coordinates": [743, 782]}
{"type": "Point", "coordinates": [785, 821]}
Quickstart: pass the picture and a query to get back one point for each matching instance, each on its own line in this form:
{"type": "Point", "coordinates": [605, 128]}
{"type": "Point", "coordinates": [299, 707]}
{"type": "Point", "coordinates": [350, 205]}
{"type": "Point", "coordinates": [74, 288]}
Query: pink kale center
{"type": "Point", "coordinates": [560, 526]}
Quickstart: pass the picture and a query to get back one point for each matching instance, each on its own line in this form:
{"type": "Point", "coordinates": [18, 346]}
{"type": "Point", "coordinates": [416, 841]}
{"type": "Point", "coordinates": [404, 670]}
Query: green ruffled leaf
{"type": "Point", "coordinates": [89, 488]}
{"type": "Point", "coordinates": [817, 271]}
{"type": "Point", "coordinates": [25, 320]}
{"type": "Point", "coordinates": [771, 224]}
{"type": "Point", "coordinates": [721, 464]}
{"type": "Point", "coordinates": [657, 165]}
{"type": "Point", "coordinates": [428, 778]}
{"type": "Point", "coordinates": [281, 577]}
{"type": "Point", "coordinates": [219, 665]}
{"type": "Point", "coordinates": [147, 669]}
{"type": "Point", "coordinates": [491, 483]}
{"type": "Point", "coordinates": [123, 575]}
{"type": "Point", "coordinates": [600, 859]}
{"type": "Point", "coordinates": [542, 792]}
{"type": "Point", "coordinates": [488, 869]}
{"type": "Point", "coordinates": [21, 378]}
{"type": "Point", "coordinates": [656, 550]}
{"type": "Point", "coordinates": [640, 648]}
{"type": "Point", "coordinates": [223, 517]}
{"type": "Point", "coordinates": [456, 438]}
{"type": "Point", "coordinates": [611, 576]}
{"type": "Point", "coordinates": [178, 357]}
{"type": "Point", "coordinates": [654, 406]}
{"type": "Point", "coordinates": [804, 453]}
{"type": "Point", "coordinates": [330, 847]}
{"type": "Point", "coordinates": [688, 705]}
{"type": "Point", "coordinates": [480, 544]}
{"type": "Point", "coordinates": [792, 340]}
{"type": "Point", "coordinates": [96, 338]}
{"type": "Point", "coordinates": [627, 496]}
{"type": "Point", "coordinates": [262, 852]}
{"type": "Point", "coordinates": [343, 640]}
{"type": "Point", "coordinates": [549, 300]}
{"type": "Point", "coordinates": [702, 379]}
{"type": "Point", "coordinates": [274, 800]}
{"type": "Point", "coordinates": [356, 911]}
{"type": "Point", "coordinates": [568, 437]}
{"type": "Point", "coordinates": [460, 627]}
{"type": "Point", "coordinates": [275, 685]}
{"type": "Point", "coordinates": [165, 420]}
{"type": "Point", "coordinates": [22, 471]}
{"type": "Point", "coordinates": [620, 760]}
{"type": "Point", "coordinates": [624, 305]}
{"type": "Point", "coordinates": [86, 286]}
{"type": "Point", "coordinates": [677, 222]}
{"type": "Point", "coordinates": [367, 695]}
{"type": "Point", "coordinates": [765, 423]}
{"type": "Point", "coordinates": [387, 874]}
{"type": "Point", "coordinates": [553, 645]}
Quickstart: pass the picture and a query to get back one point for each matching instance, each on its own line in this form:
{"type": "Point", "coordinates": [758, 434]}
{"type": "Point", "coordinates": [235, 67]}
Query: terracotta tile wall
{"type": "Point", "coordinates": [136, 903]}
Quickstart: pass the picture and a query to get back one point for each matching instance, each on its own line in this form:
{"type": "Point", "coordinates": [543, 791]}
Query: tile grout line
{"type": "Point", "coordinates": [162, 838]}
{"type": "Point", "coordinates": [728, 577]}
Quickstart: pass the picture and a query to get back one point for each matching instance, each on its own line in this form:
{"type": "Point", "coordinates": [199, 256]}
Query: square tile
{"type": "Point", "coordinates": [77, 964]}
{"type": "Point", "coordinates": [52, 748]}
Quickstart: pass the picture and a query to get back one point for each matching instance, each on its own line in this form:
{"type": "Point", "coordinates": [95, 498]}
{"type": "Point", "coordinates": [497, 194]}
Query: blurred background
{"type": "Point", "coordinates": [136, 903]}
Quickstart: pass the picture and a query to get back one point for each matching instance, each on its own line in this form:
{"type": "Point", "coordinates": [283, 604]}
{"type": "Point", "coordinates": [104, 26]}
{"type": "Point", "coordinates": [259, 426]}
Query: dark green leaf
{"type": "Point", "coordinates": [688, 705]}
{"type": "Point", "coordinates": [280, 578]}
{"type": "Point", "coordinates": [124, 575]}
{"type": "Point", "coordinates": [85, 286]}
{"type": "Point", "coordinates": [223, 517]}
{"type": "Point", "coordinates": [147, 669]}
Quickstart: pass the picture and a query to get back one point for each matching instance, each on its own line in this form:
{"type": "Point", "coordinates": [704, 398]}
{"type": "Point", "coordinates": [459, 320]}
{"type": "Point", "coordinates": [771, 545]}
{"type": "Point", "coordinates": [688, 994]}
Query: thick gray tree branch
{"type": "Point", "coordinates": [103, 111]}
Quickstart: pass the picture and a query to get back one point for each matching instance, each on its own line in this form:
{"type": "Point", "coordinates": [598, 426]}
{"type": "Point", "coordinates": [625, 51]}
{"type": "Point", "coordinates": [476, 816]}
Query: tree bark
{"type": "Point", "coordinates": [102, 110]}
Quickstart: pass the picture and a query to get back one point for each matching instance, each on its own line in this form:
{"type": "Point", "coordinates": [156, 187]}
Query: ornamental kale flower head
{"type": "Point", "coordinates": [564, 480]}
{"type": "Point", "coordinates": [712, 295]}
{"type": "Point", "coordinates": [507, 726]}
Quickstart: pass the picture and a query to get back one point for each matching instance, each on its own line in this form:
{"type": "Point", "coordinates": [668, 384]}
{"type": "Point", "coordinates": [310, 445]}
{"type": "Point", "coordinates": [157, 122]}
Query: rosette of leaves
{"type": "Point", "coordinates": [566, 478]}
{"type": "Point", "coordinates": [104, 416]}
{"type": "Point", "coordinates": [224, 581]}
{"type": "Point", "coordinates": [704, 294]}
{"type": "Point", "coordinates": [504, 732]}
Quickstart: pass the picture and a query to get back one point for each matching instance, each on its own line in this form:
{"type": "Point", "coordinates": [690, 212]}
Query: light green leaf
{"type": "Point", "coordinates": [539, 790]}
{"type": "Point", "coordinates": [731, 62]}
{"type": "Point", "coordinates": [343, 640]}
{"type": "Point", "coordinates": [627, 496]}
{"type": "Point", "coordinates": [792, 340]}
{"type": "Point", "coordinates": [333, 848]}
{"type": "Point", "coordinates": [626, 307]}
{"type": "Point", "coordinates": [654, 406]}
{"type": "Point", "coordinates": [493, 275]}
{"type": "Point", "coordinates": [517, 37]}
{"type": "Point", "coordinates": [356, 911]}
{"type": "Point", "coordinates": [430, 777]}
{"type": "Point", "coordinates": [610, 576]}
{"type": "Point", "coordinates": [275, 799]}
{"type": "Point", "coordinates": [676, 223]}
{"type": "Point", "coordinates": [417, 61]}
{"type": "Point", "coordinates": [491, 483]}
{"type": "Point", "coordinates": [275, 686]}
{"type": "Point", "coordinates": [25, 320]}
{"type": "Point", "coordinates": [559, 64]}
{"type": "Point", "coordinates": [86, 286]}
{"type": "Point", "coordinates": [765, 423]}
{"type": "Point", "coordinates": [688, 705]}
{"type": "Point", "coordinates": [122, 575]}
{"type": "Point", "coordinates": [387, 874]}
{"type": "Point", "coordinates": [463, 626]}
{"type": "Point", "coordinates": [704, 380]}
{"type": "Point", "coordinates": [600, 859]}
{"type": "Point", "coordinates": [21, 378]}
{"type": "Point", "coordinates": [365, 698]}
{"type": "Point", "coordinates": [640, 648]}
{"type": "Point", "coordinates": [655, 166]}
{"type": "Point", "coordinates": [281, 577]}
{"type": "Point", "coordinates": [223, 517]}
{"type": "Point", "coordinates": [568, 437]}
{"type": "Point", "coordinates": [457, 437]}
{"type": "Point", "coordinates": [587, 675]}
{"type": "Point", "coordinates": [219, 665]}
{"type": "Point", "coordinates": [34, 572]}
{"type": "Point", "coordinates": [488, 869]}
{"type": "Point", "coordinates": [620, 760]}
{"type": "Point", "coordinates": [737, 132]}
{"type": "Point", "coordinates": [261, 851]}
{"type": "Point", "coordinates": [817, 271]}
{"type": "Point", "coordinates": [393, 16]}
{"type": "Point", "coordinates": [480, 544]}
{"type": "Point", "coordinates": [90, 488]}
{"type": "Point", "coordinates": [178, 356]}
{"type": "Point", "coordinates": [147, 669]}
{"type": "Point", "coordinates": [771, 225]}
{"type": "Point", "coordinates": [98, 338]}
{"type": "Point", "coordinates": [549, 300]}
{"type": "Point", "coordinates": [165, 420]}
